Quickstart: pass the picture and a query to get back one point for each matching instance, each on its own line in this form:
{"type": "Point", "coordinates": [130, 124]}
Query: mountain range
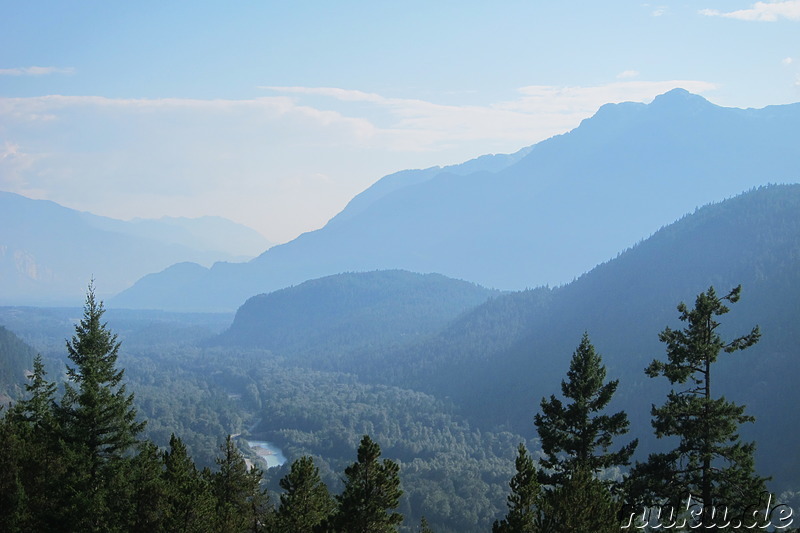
{"type": "Point", "coordinates": [542, 216]}
{"type": "Point", "coordinates": [496, 360]}
{"type": "Point", "coordinates": [49, 253]}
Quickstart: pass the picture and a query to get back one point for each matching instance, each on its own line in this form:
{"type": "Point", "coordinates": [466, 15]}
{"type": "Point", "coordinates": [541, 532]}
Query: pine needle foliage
{"type": "Point", "coordinates": [710, 463]}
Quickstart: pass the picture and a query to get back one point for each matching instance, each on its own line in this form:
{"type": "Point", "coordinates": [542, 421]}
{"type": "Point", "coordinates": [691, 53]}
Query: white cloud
{"type": "Point", "coordinates": [628, 74]}
{"type": "Point", "coordinates": [659, 11]}
{"type": "Point", "coordinates": [761, 11]}
{"type": "Point", "coordinates": [35, 71]}
{"type": "Point", "coordinates": [787, 61]}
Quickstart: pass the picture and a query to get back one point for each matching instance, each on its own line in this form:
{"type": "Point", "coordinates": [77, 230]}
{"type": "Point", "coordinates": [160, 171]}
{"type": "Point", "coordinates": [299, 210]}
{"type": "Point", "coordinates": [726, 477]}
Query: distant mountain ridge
{"type": "Point", "coordinates": [368, 311]}
{"type": "Point", "coordinates": [567, 204]}
{"type": "Point", "coordinates": [49, 253]}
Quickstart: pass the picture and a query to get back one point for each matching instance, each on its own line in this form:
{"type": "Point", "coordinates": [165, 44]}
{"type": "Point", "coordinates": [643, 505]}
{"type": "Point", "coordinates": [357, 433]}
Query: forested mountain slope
{"type": "Point", "coordinates": [570, 203]}
{"type": "Point", "coordinates": [371, 311]}
{"type": "Point", "coordinates": [499, 360]}
{"type": "Point", "coordinates": [15, 358]}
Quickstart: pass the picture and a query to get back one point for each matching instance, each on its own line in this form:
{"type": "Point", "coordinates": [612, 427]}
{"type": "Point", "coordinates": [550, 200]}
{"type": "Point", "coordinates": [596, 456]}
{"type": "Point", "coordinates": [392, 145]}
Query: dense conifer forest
{"type": "Point", "coordinates": [75, 455]}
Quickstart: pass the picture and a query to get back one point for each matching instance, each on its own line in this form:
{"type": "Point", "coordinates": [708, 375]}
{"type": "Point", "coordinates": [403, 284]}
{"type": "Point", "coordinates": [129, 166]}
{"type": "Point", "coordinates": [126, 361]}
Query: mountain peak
{"type": "Point", "coordinates": [680, 98]}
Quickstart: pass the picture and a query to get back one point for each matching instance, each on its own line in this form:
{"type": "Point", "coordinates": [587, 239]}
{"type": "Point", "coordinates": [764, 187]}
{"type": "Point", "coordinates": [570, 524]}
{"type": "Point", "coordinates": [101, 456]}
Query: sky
{"type": "Point", "coordinates": [275, 114]}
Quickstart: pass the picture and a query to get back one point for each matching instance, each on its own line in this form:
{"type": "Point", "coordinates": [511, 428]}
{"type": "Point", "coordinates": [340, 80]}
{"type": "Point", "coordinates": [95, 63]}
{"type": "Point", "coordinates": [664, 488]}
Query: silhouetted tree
{"type": "Point", "coordinates": [710, 462]}
{"type": "Point", "coordinates": [574, 435]}
{"type": "Point", "coordinates": [99, 423]}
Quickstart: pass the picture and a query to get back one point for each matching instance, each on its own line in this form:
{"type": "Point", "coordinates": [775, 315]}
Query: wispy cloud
{"type": "Point", "coordinates": [761, 11]}
{"type": "Point", "coordinates": [659, 11]}
{"type": "Point", "coordinates": [628, 74]}
{"type": "Point", "coordinates": [787, 60]}
{"type": "Point", "coordinates": [35, 71]}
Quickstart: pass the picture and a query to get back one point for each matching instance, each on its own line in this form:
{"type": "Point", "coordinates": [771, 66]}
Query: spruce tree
{"type": "Point", "coordinates": [38, 408]}
{"type": "Point", "coordinates": [710, 462]}
{"type": "Point", "coordinates": [147, 493]}
{"type": "Point", "coordinates": [575, 435]}
{"type": "Point", "coordinates": [524, 502]}
{"type": "Point", "coordinates": [35, 424]}
{"type": "Point", "coordinates": [306, 503]}
{"type": "Point", "coordinates": [99, 423]}
{"type": "Point", "coordinates": [188, 502]}
{"type": "Point", "coordinates": [241, 504]}
{"type": "Point", "coordinates": [371, 493]}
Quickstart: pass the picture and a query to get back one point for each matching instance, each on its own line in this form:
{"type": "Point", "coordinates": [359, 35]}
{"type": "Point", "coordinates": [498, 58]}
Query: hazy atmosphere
{"type": "Point", "coordinates": [399, 267]}
{"type": "Point", "coordinates": [276, 114]}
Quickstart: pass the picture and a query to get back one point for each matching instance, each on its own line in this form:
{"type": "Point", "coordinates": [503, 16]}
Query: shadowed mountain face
{"type": "Point", "coordinates": [49, 253]}
{"type": "Point", "coordinates": [542, 216]}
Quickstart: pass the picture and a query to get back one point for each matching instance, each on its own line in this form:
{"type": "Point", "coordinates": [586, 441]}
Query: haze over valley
{"type": "Point", "coordinates": [270, 259]}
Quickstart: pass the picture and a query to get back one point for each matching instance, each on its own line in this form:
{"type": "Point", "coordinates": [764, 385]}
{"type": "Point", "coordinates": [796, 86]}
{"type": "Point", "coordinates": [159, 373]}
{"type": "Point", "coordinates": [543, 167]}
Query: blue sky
{"type": "Point", "coordinates": [275, 114]}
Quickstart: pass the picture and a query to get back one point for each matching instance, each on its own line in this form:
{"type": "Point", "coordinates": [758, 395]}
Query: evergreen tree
{"type": "Point", "coordinates": [424, 527]}
{"type": "Point", "coordinates": [525, 498]}
{"type": "Point", "coordinates": [574, 436]}
{"type": "Point", "coordinates": [34, 423]}
{"type": "Point", "coordinates": [371, 492]}
{"type": "Point", "coordinates": [306, 503]}
{"type": "Point", "coordinates": [710, 463]}
{"type": "Point", "coordinates": [581, 504]}
{"type": "Point", "coordinates": [99, 424]}
{"type": "Point", "coordinates": [241, 505]}
{"type": "Point", "coordinates": [147, 498]}
{"type": "Point", "coordinates": [38, 408]}
{"type": "Point", "coordinates": [13, 502]}
{"type": "Point", "coordinates": [188, 504]}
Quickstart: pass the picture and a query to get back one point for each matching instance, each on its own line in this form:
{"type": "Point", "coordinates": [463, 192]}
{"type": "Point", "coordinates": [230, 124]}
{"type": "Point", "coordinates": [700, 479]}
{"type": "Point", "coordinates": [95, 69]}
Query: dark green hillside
{"type": "Point", "coordinates": [15, 358]}
{"type": "Point", "coordinates": [499, 360]}
{"type": "Point", "coordinates": [349, 313]}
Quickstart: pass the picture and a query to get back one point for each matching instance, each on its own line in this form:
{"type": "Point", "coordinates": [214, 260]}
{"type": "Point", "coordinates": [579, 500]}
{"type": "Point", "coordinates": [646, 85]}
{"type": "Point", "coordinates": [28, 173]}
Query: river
{"type": "Point", "coordinates": [271, 454]}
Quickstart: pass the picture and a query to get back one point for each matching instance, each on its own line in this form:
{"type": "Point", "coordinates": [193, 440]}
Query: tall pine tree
{"type": "Point", "coordinates": [99, 423]}
{"type": "Point", "coordinates": [576, 435]}
{"type": "Point", "coordinates": [710, 462]}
